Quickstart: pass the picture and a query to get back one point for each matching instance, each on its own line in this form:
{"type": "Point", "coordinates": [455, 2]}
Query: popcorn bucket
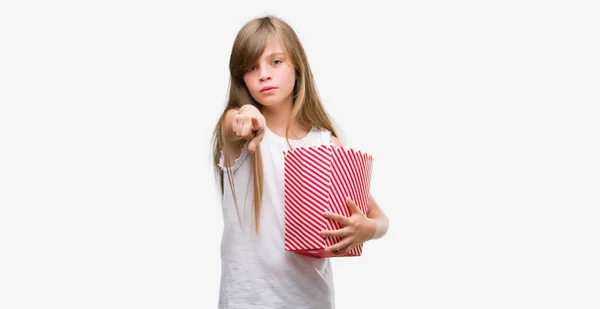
{"type": "Point", "coordinates": [318, 179]}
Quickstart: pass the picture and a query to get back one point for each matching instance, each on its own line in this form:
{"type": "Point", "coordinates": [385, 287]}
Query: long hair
{"type": "Point", "coordinates": [307, 107]}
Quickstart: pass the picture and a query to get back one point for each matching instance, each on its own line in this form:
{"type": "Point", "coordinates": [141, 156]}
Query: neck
{"type": "Point", "coordinates": [278, 115]}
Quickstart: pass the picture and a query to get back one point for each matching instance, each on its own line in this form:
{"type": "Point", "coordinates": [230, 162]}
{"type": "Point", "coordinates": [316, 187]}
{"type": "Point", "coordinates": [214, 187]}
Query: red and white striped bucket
{"type": "Point", "coordinates": [318, 179]}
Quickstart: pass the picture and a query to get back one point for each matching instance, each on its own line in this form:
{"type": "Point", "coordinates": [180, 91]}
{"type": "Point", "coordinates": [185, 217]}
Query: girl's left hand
{"type": "Point", "coordinates": [357, 229]}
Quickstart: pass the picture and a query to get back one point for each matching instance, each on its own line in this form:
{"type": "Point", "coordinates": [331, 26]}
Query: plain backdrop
{"type": "Point", "coordinates": [482, 117]}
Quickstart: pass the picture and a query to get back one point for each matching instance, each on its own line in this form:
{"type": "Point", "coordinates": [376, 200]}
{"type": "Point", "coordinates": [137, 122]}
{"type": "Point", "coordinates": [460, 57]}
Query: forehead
{"type": "Point", "coordinates": [273, 47]}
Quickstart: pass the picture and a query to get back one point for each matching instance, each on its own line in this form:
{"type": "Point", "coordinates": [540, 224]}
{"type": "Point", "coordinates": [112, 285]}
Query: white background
{"type": "Point", "coordinates": [482, 117]}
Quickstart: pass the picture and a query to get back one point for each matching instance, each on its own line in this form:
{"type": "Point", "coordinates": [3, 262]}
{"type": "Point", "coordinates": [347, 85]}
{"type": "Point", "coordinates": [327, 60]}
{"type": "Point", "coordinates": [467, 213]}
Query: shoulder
{"type": "Point", "coordinates": [326, 137]}
{"type": "Point", "coordinates": [336, 141]}
{"type": "Point", "coordinates": [233, 157]}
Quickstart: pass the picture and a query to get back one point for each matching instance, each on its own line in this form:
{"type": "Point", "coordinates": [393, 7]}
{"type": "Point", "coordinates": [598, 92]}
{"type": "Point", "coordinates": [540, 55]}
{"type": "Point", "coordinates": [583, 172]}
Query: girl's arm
{"type": "Point", "coordinates": [380, 222]}
{"type": "Point", "coordinates": [377, 214]}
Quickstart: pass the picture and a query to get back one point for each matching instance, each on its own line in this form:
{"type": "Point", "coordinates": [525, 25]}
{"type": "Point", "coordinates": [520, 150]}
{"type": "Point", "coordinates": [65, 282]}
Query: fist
{"type": "Point", "coordinates": [249, 127]}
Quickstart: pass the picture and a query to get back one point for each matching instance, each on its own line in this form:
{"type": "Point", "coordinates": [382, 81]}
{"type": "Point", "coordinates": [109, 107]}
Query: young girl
{"type": "Point", "coordinates": [273, 105]}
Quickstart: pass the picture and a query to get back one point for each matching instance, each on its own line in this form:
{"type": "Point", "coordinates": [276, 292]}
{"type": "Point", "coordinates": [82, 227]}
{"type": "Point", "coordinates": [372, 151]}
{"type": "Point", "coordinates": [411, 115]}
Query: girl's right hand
{"type": "Point", "coordinates": [249, 124]}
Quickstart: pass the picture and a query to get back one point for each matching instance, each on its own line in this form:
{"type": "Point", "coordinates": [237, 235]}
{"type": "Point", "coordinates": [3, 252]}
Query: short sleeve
{"type": "Point", "coordinates": [238, 162]}
{"type": "Point", "coordinates": [325, 136]}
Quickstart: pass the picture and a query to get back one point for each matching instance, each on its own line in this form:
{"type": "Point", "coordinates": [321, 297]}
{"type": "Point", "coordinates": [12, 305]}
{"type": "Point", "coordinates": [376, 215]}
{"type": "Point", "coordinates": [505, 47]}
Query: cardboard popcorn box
{"type": "Point", "coordinates": [318, 179]}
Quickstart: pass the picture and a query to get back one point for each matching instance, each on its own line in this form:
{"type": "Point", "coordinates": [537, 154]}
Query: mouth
{"type": "Point", "coordinates": [268, 89]}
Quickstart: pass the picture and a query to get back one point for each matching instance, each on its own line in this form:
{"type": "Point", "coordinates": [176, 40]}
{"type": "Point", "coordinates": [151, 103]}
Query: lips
{"type": "Point", "coordinates": [266, 88]}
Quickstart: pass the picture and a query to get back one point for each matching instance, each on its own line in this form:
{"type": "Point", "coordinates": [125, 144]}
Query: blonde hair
{"type": "Point", "coordinates": [307, 107]}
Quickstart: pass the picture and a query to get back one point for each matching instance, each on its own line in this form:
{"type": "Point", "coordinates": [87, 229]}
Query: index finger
{"type": "Point", "coordinates": [352, 205]}
{"type": "Point", "coordinates": [337, 217]}
{"type": "Point", "coordinates": [255, 123]}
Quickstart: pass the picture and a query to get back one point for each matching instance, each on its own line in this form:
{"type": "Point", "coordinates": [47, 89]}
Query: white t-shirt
{"type": "Point", "coordinates": [256, 271]}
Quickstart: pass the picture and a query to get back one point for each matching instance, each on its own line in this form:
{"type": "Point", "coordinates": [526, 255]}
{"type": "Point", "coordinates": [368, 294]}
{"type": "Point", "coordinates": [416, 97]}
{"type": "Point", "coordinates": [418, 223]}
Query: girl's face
{"type": "Point", "coordinates": [271, 80]}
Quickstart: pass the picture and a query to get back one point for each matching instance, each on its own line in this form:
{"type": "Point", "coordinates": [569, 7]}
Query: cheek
{"type": "Point", "coordinates": [291, 79]}
{"type": "Point", "coordinates": [248, 84]}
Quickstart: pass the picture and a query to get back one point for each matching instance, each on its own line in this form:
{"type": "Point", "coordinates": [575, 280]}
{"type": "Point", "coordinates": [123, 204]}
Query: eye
{"type": "Point", "coordinates": [252, 68]}
{"type": "Point", "coordinates": [277, 61]}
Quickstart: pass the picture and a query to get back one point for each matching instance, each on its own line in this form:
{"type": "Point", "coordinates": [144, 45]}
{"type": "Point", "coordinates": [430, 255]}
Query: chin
{"type": "Point", "coordinates": [269, 102]}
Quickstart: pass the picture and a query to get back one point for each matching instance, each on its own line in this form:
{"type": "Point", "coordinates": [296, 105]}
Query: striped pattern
{"type": "Point", "coordinates": [318, 179]}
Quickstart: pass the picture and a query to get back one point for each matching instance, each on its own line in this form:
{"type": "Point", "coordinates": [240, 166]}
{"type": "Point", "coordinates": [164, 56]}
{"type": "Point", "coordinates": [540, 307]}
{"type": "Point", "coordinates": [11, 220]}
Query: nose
{"type": "Point", "coordinates": [264, 74]}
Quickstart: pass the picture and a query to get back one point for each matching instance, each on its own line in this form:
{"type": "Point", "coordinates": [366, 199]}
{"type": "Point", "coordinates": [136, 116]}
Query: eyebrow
{"type": "Point", "coordinates": [275, 54]}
